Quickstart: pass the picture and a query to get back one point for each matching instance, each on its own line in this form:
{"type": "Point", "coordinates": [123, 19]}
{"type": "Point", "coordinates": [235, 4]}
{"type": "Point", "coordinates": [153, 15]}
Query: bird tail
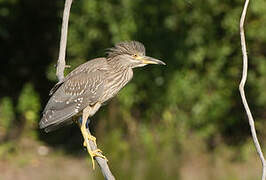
{"type": "Point", "coordinates": [53, 119]}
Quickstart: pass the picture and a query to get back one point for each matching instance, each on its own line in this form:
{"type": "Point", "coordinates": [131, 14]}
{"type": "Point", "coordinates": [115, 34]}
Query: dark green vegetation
{"type": "Point", "coordinates": [192, 105]}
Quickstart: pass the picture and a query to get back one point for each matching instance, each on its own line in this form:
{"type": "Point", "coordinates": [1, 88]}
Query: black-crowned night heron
{"type": "Point", "coordinates": [86, 88]}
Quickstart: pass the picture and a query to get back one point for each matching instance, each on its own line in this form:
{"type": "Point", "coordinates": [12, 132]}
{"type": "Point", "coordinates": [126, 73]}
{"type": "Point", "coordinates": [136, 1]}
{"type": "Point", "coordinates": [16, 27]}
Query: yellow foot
{"type": "Point", "coordinates": [92, 153]}
{"type": "Point", "coordinates": [90, 137]}
{"type": "Point", "coordinates": [95, 153]}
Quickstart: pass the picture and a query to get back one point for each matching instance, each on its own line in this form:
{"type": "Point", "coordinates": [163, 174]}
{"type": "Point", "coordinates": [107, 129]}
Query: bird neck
{"type": "Point", "coordinates": [119, 68]}
{"type": "Point", "coordinates": [116, 78]}
{"type": "Point", "coordinates": [119, 63]}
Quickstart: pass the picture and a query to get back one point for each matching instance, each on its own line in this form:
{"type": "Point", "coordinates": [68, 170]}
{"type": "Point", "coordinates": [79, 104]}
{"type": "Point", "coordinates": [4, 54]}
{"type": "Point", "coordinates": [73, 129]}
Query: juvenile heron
{"type": "Point", "coordinates": [86, 88]}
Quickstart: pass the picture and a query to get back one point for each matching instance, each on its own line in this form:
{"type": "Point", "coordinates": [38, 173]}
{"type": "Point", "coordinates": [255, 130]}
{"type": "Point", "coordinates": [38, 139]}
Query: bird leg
{"type": "Point", "coordinates": [87, 136]}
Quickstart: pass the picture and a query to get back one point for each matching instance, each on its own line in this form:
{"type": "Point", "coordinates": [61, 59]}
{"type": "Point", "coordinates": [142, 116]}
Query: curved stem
{"type": "Point", "coordinates": [242, 91]}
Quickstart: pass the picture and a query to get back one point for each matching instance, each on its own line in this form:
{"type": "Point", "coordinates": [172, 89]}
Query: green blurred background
{"type": "Point", "coordinates": [181, 121]}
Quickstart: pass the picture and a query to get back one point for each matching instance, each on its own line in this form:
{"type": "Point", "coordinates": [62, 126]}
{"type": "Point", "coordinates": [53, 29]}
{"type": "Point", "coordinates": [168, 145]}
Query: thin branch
{"type": "Point", "coordinates": [242, 91]}
{"type": "Point", "coordinates": [61, 65]}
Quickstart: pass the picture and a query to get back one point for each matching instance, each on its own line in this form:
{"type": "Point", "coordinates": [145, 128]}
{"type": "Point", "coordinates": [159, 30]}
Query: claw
{"type": "Point", "coordinates": [96, 153]}
{"type": "Point", "coordinates": [90, 137]}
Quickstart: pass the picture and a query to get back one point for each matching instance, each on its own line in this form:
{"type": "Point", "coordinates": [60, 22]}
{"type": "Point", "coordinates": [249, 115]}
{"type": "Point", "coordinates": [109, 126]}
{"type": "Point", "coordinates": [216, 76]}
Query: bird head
{"type": "Point", "coordinates": [131, 54]}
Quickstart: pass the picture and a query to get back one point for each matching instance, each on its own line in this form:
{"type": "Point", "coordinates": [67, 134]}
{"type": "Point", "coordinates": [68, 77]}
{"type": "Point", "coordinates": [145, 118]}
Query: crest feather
{"type": "Point", "coordinates": [128, 47]}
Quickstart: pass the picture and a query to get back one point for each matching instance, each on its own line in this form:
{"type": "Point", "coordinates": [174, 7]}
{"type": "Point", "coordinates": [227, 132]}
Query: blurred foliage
{"type": "Point", "coordinates": [152, 118]}
{"type": "Point", "coordinates": [6, 116]}
{"type": "Point", "coordinates": [29, 106]}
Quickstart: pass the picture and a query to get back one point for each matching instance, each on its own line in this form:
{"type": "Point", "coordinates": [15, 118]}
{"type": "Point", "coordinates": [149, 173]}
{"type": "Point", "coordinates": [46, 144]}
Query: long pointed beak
{"type": "Point", "coordinates": [150, 60]}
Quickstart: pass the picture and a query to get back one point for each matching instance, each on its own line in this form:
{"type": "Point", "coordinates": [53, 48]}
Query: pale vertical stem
{"type": "Point", "coordinates": [61, 63]}
{"type": "Point", "coordinates": [242, 91]}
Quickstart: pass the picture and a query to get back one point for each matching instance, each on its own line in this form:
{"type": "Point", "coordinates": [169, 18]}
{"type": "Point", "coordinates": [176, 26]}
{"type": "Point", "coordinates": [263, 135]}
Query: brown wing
{"type": "Point", "coordinates": [85, 67]}
{"type": "Point", "coordinates": [77, 92]}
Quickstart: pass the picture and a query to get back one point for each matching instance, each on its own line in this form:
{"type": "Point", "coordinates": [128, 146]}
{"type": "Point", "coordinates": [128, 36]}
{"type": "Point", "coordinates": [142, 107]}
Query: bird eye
{"type": "Point", "coordinates": [135, 55]}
